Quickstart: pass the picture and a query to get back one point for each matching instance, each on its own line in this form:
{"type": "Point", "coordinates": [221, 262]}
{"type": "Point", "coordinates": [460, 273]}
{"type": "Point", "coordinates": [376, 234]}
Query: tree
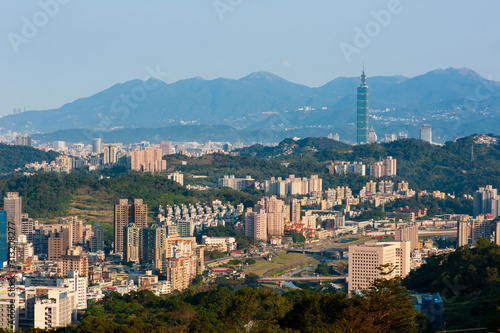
{"type": "Point", "coordinates": [384, 307]}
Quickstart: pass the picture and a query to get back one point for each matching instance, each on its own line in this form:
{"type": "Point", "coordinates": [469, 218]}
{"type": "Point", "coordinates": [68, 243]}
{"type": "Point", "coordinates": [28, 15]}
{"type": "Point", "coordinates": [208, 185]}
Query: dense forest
{"type": "Point", "coordinates": [385, 307]}
{"type": "Point", "coordinates": [469, 283]}
{"type": "Point", "coordinates": [13, 157]}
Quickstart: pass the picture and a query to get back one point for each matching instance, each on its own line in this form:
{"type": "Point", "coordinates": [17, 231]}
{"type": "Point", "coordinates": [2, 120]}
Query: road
{"type": "Point", "coordinates": [303, 278]}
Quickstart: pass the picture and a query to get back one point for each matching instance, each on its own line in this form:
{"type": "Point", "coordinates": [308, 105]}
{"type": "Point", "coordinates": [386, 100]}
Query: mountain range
{"type": "Point", "coordinates": [265, 107]}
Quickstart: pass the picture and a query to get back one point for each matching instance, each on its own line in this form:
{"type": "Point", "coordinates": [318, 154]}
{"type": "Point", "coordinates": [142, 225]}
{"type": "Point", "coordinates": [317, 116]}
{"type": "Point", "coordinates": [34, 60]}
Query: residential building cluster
{"type": "Point", "coordinates": [385, 168]}
{"type": "Point", "coordinates": [293, 186]}
{"type": "Point", "coordinates": [187, 219]}
{"type": "Point", "coordinates": [236, 183]}
{"type": "Point", "coordinates": [486, 202]}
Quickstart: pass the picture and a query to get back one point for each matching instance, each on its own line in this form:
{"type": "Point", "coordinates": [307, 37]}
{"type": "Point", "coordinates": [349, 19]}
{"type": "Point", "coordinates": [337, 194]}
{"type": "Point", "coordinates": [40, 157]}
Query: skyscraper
{"type": "Point", "coordinates": [426, 133]}
{"type": "Point", "coordinates": [362, 120]}
{"type": "Point", "coordinates": [13, 205]}
{"type": "Point", "coordinates": [97, 146]}
{"type": "Point", "coordinates": [486, 201]}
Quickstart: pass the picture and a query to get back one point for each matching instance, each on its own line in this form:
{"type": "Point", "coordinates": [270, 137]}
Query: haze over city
{"type": "Point", "coordinates": [249, 166]}
{"type": "Point", "coordinates": [83, 48]}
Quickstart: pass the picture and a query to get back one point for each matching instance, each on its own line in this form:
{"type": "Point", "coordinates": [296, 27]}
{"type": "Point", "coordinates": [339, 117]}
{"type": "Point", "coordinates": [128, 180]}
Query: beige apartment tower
{"type": "Point", "coordinates": [256, 225]}
{"type": "Point", "coordinates": [463, 230]}
{"type": "Point", "coordinates": [366, 258]}
{"type": "Point", "coordinates": [407, 232]}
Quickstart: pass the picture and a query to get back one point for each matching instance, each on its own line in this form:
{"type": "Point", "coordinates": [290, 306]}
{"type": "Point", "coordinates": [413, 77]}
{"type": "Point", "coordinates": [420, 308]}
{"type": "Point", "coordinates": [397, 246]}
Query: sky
{"type": "Point", "coordinates": [53, 52]}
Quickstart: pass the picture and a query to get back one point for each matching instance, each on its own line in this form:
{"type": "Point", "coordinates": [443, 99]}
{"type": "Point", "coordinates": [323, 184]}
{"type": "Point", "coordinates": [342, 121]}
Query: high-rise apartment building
{"type": "Point", "coordinates": [23, 140]}
{"type": "Point", "coordinates": [256, 224]}
{"type": "Point", "coordinates": [486, 201]}
{"type": "Point", "coordinates": [56, 309]}
{"type": "Point", "coordinates": [371, 187]}
{"type": "Point", "coordinates": [293, 185]}
{"type": "Point", "coordinates": [166, 147]}
{"type": "Point", "coordinates": [26, 225]}
{"type": "Point", "coordinates": [177, 177]}
{"type": "Point", "coordinates": [365, 259]}
{"type": "Point", "coordinates": [426, 133]}
{"type": "Point", "coordinates": [274, 208]}
{"type": "Point", "coordinates": [295, 211]}
{"type": "Point", "coordinates": [267, 218]}
{"type": "Point", "coordinates": [147, 160]}
{"type": "Point", "coordinates": [12, 204]}
{"type": "Point", "coordinates": [463, 230]}
{"type": "Point", "coordinates": [75, 260]}
{"type": "Point", "coordinates": [386, 167]}
{"type": "Point", "coordinates": [389, 165]}
{"type": "Point", "coordinates": [110, 154]}
{"type": "Point", "coordinates": [126, 213]}
{"type": "Point", "coordinates": [59, 242]}
{"type": "Point", "coordinates": [480, 229]}
{"type": "Point", "coordinates": [372, 136]}
{"type": "Point", "coordinates": [132, 243]}
{"type": "Point", "coordinates": [154, 247]}
{"type": "Point", "coordinates": [236, 183]}
{"type": "Point", "coordinates": [407, 232]}
{"type": "Point", "coordinates": [362, 110]}
{"type": "Point", "coordinates": [386, 187]}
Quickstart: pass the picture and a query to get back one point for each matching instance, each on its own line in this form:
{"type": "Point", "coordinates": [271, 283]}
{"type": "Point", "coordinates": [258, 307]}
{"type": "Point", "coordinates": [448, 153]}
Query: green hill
{"type": "Point", "coordinates": [468, 281]}
{"type": "Point", "coordinates": [428, 167]}
{"type": "Point", "coordinates": [12, 157]}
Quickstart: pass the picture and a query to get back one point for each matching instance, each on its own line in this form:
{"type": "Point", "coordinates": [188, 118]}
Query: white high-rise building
{"type": "Point", "coordinates": [426, 133]}
{"type": "Point", "coordinates": [365, 259]}
{"type": "Point", "coordinates": [55, 310]}
{"type": "Point", "coordinates": [372, 136]}
{"type": "Point", "coordinates": [97, 146]}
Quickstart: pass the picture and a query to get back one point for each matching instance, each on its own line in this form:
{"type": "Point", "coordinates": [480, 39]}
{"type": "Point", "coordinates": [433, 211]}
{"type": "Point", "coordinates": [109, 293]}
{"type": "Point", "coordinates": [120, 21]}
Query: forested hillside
{"type": "Point", "coordinates": [12, 157]}
{"type": "Point", "coordinates": [449, 168]}
{"type": "Point", "coordinates": [469, 282]}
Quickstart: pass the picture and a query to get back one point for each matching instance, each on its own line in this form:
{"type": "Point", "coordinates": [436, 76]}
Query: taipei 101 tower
{"type": "Point", "coordinates": [362, 121]}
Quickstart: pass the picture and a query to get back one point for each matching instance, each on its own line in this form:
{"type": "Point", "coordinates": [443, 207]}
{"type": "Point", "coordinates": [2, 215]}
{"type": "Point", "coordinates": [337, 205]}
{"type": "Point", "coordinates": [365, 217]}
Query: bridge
{"type": "Point", "coordinates": [321, 251]}
{"type": "Point", "coordinates": [302, 278]}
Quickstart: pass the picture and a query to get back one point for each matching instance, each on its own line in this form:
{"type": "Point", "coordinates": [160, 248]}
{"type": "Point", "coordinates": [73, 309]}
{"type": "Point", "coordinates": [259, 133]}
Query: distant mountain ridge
{"type": "Point", "coordinates": [456, 99]}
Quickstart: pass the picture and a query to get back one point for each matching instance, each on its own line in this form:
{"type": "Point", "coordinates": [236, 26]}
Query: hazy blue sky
{"type": "Point", "coordinates": [83, 47]}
